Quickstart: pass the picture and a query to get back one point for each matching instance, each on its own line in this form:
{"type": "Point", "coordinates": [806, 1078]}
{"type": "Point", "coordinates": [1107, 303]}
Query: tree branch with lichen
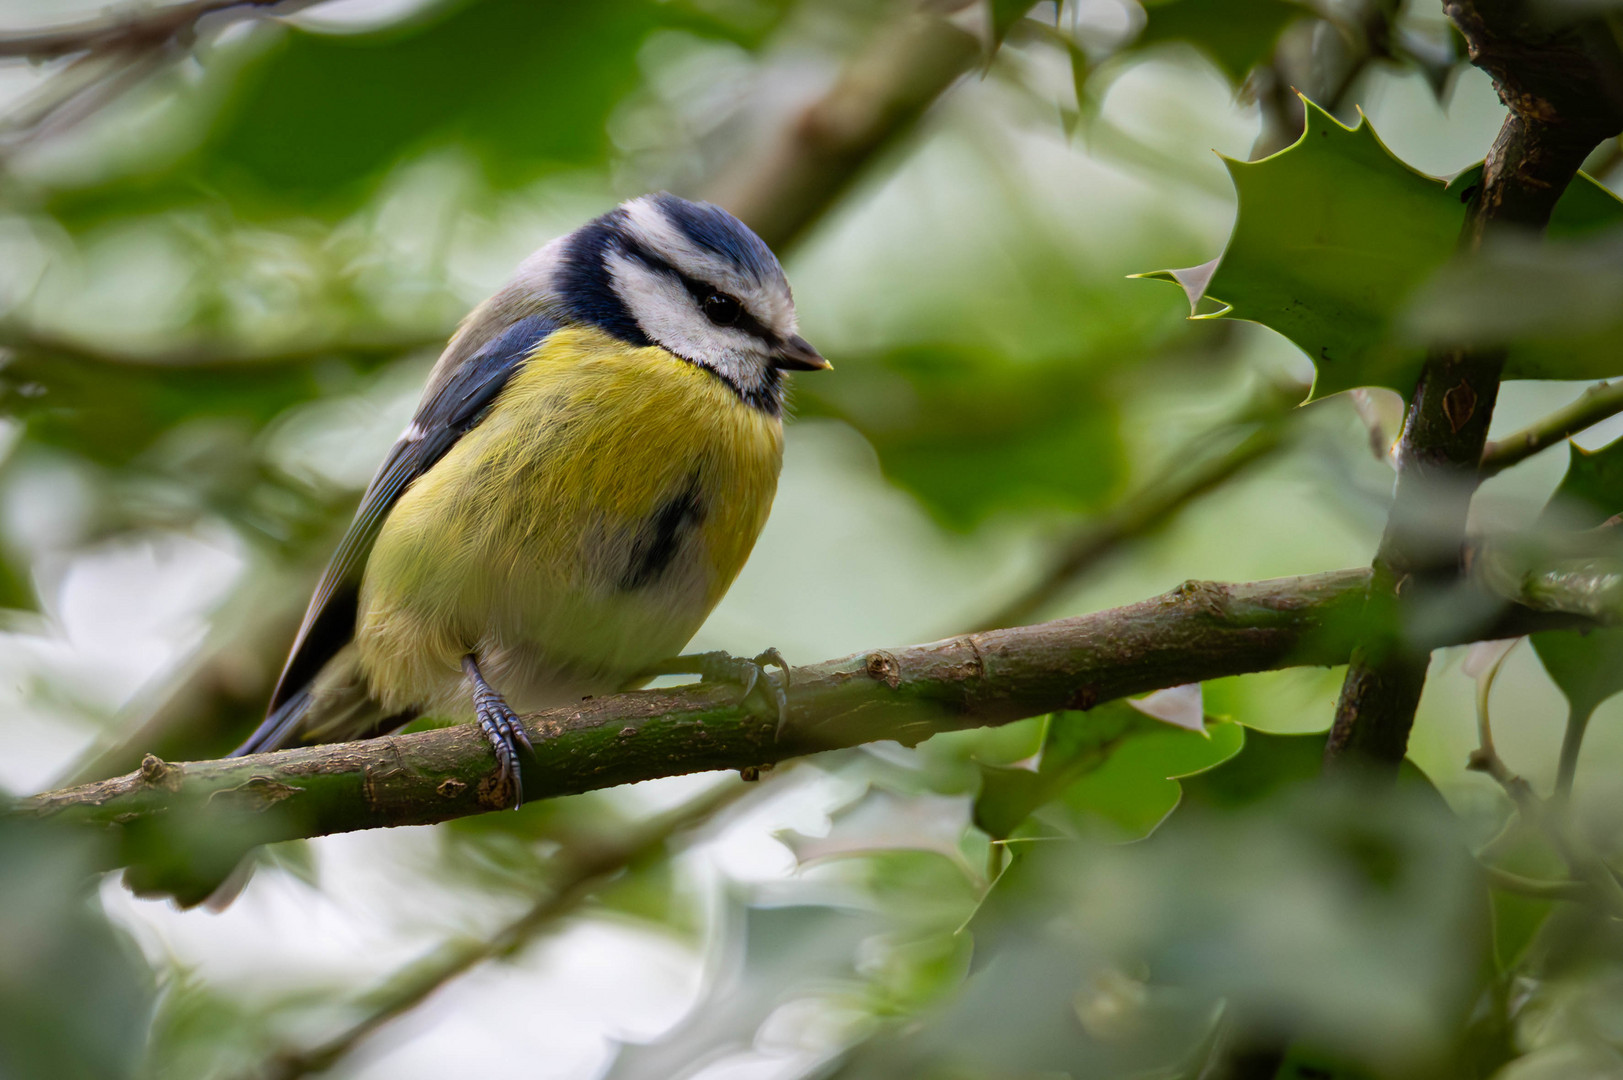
{"type": "Point", "coordinates": [180, 823]}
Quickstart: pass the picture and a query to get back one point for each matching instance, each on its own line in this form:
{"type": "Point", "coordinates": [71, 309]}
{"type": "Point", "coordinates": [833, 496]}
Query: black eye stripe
{"type": "Point", "coordinates": [700, 291]}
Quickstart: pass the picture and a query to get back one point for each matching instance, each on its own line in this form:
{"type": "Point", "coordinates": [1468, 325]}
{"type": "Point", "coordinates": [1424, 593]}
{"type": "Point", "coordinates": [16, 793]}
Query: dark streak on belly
{"type": "Point", "coordinates": [660, 538]}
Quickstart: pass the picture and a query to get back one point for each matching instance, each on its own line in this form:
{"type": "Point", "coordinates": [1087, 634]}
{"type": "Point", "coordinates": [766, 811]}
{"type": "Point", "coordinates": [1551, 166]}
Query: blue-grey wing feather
{"type": "Point", "coordinates": [459, 397]}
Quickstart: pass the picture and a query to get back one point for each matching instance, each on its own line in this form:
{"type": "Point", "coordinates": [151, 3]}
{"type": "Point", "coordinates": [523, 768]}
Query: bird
{"type": "Point", "coordinates": [594, 456]}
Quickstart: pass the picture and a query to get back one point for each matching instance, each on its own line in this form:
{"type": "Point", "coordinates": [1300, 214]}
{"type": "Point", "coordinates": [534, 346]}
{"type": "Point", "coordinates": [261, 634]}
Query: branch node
{"type": "Point", "coordinates": [882, 667]}
{"type": "Point", "coordinates": [156, 772]}
{"type": "Point", "coordinates": [1458, 405]}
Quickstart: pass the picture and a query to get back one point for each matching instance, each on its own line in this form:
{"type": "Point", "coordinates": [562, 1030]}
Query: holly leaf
{"type": "Point", "coordinates": [1236, 34]}
{"type": "Point", "coordinates": [1267, 764]}
{"type": "Point", "coordinates": [1331, 236]}
{"type": "Point", "coordinates": [1334, 235]}
{"type": "Point", "coordinates": [1587, 666]}
{"type": "Point", "coordinates": [1554, 305]}
{"type": "Point", "coordinates": [1114, 760]}
{"type": "Point", "coordinates": [1074, 744]}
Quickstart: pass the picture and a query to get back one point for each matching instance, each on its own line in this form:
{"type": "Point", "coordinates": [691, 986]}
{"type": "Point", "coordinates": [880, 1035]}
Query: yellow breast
{"type": "Point", "coordinates": [581, 532]}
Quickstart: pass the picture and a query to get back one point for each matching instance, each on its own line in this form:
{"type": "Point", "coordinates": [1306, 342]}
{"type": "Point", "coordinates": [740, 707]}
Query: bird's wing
{"type": "Point", "coordinates": [456, 400]}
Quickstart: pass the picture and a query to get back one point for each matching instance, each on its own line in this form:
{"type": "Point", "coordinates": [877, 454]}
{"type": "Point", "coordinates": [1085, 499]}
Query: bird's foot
{"type": "Point", "coordinates": [501, 727]}
{"type": "Point", "coordinates": [749, 672]}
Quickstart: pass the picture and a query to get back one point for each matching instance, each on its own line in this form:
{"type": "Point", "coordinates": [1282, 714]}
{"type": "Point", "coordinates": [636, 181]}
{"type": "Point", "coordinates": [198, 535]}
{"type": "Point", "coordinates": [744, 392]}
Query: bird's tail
{"type": "Point", "coordinates": [279, 728]}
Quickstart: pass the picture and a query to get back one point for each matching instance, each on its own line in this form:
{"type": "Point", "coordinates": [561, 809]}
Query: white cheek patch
{"type": "Point", "coordinates": [663, 309]}
{"type": "Point", "coordinates": [773, 307]}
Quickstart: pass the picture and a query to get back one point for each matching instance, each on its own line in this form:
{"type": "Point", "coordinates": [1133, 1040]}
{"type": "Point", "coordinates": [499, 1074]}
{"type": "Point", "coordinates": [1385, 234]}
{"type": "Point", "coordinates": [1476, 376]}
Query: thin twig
{"type": "Point", "coordinates": [111, 55]}
{"type": "Point", "coordinates": [1505, 881]}
{"type": "Point", "coordinates": [1572, 741]}
{"type": "Point", "coordinates": [1154, 506]}
{"type": "Point", "coordinates": [144, 28]}
{"type": "Point", "coordinates": [812, 159]}
{"type": "Point", "coordinates": [1600, 402]}
{"type": "Point", "coordinates": [1600, 883]}
{"type": "Point", "coordinates": [580, 871]}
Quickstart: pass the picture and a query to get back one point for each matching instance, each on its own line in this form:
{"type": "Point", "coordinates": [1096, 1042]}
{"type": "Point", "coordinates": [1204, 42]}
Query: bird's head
{"type": "Point", "coordinates": [688, 277]}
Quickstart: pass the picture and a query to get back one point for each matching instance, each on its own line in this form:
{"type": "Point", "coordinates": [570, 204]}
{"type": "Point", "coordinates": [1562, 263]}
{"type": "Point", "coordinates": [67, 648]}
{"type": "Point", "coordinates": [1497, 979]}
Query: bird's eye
{"type": "Point", "coordinates": [722, 309]}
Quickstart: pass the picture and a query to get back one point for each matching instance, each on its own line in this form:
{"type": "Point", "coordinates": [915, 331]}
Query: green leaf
{"type": "Point", "coordinates": [1592, 489]}
{"type": "Point", "coordinates": [1332, 238]}
{"type": "Point", "coordinates": [1074, 744]}
{"type": "Point", "coordinates": [1005, 13]}
{"type": "Point", "coordinates": [1136, 788]}
{"type": "Point", "coordinates": [1237, 34]}
{"type": "Point", "coordinates": [983, 432]}
{"type": "Point", "coordinates": [75, 997]}
{"type": "Point", "coordinates": [1331, 235]}
{"type": "Point", "coordinates": [1268, 764]}
{"type": "Point", "coordinates": [1587, 666]}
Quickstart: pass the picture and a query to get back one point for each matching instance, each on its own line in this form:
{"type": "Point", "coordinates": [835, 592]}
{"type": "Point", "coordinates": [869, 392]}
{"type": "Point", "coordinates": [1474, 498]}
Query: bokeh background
{"type": "Point", "coordinates": [226, 265]}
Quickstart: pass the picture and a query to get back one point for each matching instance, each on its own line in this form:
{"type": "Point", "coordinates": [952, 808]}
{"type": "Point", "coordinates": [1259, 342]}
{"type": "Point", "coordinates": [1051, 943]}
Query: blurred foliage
{"type": "Point", "coordinates": [1237, 34]}
{"type": "Point", "coordinates": [75, 997]}
{"type": "Point", "coordinates": [976, 435]}
{"type": "Point", "coordinates": [1588, 667]}
{"type": "Point", "coordinates": [313, 120]}
{"type": "Point", "coordinates": [222, 285]}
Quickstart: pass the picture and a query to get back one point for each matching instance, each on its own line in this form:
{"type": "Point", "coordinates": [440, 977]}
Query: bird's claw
{"type": "Point", "coordinates": [750, 673]}
{"type": "Point", "coordinates": [506, 735]}
{"type": "Point", "coordinates": [503, 730]}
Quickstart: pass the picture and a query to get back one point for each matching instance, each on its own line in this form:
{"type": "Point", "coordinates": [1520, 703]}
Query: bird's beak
{"type": "Point", "coordinates": [797, 354]}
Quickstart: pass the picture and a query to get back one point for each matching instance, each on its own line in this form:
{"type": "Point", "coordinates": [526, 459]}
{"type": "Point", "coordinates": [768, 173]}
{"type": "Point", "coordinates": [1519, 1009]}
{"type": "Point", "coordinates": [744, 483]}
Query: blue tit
{"type": "Point", "coordinates": [593, 458]}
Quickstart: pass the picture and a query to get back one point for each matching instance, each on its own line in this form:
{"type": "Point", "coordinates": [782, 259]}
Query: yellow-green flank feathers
{"type": "Point", "coordinates": [525, 542]}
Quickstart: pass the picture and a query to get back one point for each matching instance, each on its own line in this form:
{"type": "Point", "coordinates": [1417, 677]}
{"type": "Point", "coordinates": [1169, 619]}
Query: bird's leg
{"type": "Point", "coordinates": [747, 672]}
{"type": "Point", "coordinates": [500, 725]}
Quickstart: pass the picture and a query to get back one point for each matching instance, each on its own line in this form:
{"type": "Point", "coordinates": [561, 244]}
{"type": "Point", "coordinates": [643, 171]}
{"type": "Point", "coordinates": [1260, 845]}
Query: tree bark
{"type": "Point", "coordinates": [1563, 84]}
{"type": "Point", "coordinates": [209, 813]}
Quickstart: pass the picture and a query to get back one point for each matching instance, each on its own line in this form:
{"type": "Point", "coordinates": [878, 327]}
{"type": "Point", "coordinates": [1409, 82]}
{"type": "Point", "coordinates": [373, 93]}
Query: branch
{"type": "Point", "coordinates": [813, 159]}
{"type": "Point", "coordinates": [209, 812]}
{"type": "Point", "coordinates": [111, 55]}
{"type": "Point", "coordinates": [1158, 503]}
{"type": "Point", "coordinates": [1564, 88]}
{"type": "Point", "coordinates": [1152, 507]}
{"type": "Point", "coordinates": [211, 355]}
{"type": "Point", "coordinates": [151, 28]}
{"type": "Point", "coordinates": [1599, 402]}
